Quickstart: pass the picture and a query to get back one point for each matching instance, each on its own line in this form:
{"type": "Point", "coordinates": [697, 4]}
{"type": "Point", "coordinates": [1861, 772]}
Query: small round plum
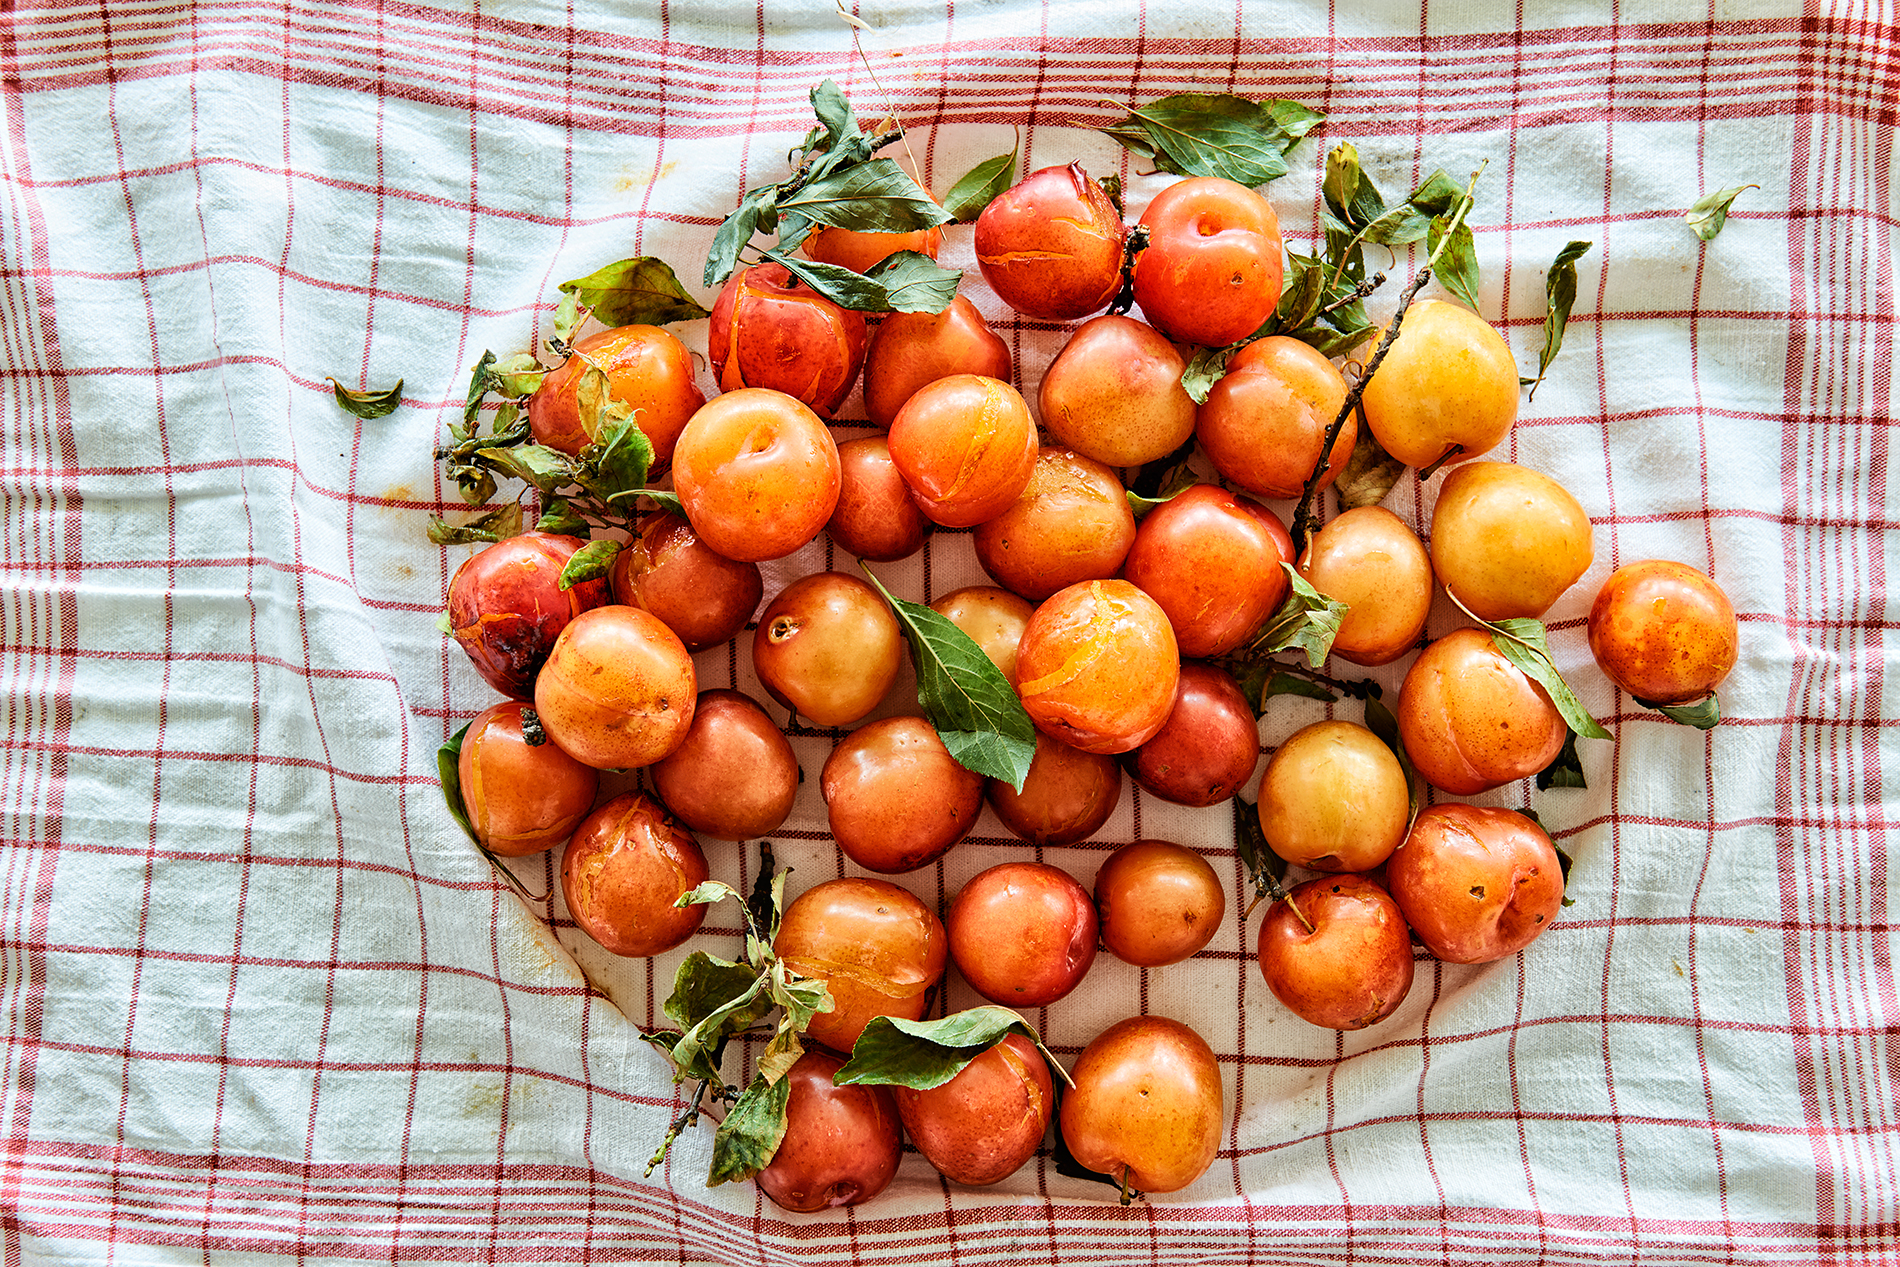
{"type": "Point", "coordinates": [1023, 934]}
{"type": "Point", "coordinates": [911, 349]}
{"type": "Point", "coordinates": [1158, 903]}
{"type": "Point", "coordinates": [1353, 967]}
{"type": "Point", "coordinates": [506, 607]}
{"type": "Point", "coordinates": [841, 1145]}
{"type": "Point", "coordinates": [828, 648]}
{"type": "Point", "coordinates": [1663, 631]}
{"type": "Point", "coordinates": [1114, 393]}
{"type": "Point", "coordinates": [1476, 884]}
{"type": "Point", "coordinates": [1334, 798]}
{"type": "Point", "coordinates": [1067, 796]}
{"type": "Point", "coordinates": [966, 446]}
{"type": "Point", "coordinates": [734, 776]}
{"type": "Point", "coordinates": [520, 798]}
{"type": "Point", "coordinates": [757, 473]}
{"type": "Point", "coordinates": [703, 596]}
{"type": "Point", "coordinates": [1072, 523]}
{"type": "Point", "coordinates": [1207, 749]}
{"type": "Point", "coordinates": [986, 1122]}
{"type": "Point", "coordinates": [1050, 246]}
{"type": "Point", "coordinates": [624, 869]}
{"type": "Point", "coordinates": [1471, 720]}
{"type": "Point", "coordinates": [895, 797]}
{"type": "Point", "coordinates": [1211, 272]}
{"type": "Point", "coordinates": [1448, 380]}
{"type": "Point", "coordinates": [618, 690]}
{"type": "Point", "coordinates": [875, 518]}
{"type": "Point", "coordinates": [1211, 559]}
{"type": "Point", "coordinates": [1265, 419]}
{"type": "Point", "coordinates": [1370, 560]}
{"type": "Point", "coordinates": [993, 618]}
{"type": "Point", "coordinates": [647, 368]}
{"type": "Point", "coordinates": [1098, 666]}
{"type": "Point", "coordinates": [879, 950]}
{"type": "Point", "coordinates": [1147, 1108]}
{"type": "Point", "coordinates": [769, 329]}
{"type": "Point", "coordinates": [1507, 540]}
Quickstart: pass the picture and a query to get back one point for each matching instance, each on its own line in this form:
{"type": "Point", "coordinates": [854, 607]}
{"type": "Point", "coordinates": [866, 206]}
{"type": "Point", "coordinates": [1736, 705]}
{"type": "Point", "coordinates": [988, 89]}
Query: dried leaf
{"type": "Point", "coordinates": [639, 291]}
{"type": "Point", "coordinates": [1710, 211]}
{"type": "Point", "coordinates": [368, 404]}
{"type": "Point", "coordinates": [1560, 293]}
{"type": "Point", "coordinates": [1370, 473]}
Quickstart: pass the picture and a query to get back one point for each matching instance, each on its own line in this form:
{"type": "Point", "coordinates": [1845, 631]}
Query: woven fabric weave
{"type": "Point", "coordinates": [264, 1003]}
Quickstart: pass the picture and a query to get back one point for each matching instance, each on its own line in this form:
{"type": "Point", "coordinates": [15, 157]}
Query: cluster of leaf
{"type": "Point", "coordinates": [837, 180]}
{"type": "Point", "coordinates": [716, 1000]}
{"type": "Point", "coordinates": [599, 487]}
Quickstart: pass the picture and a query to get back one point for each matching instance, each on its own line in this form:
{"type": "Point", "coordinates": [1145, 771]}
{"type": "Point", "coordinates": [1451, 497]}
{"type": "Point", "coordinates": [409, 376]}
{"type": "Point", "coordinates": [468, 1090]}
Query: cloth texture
{"type": "Point", "coordinates": [264, 1003]}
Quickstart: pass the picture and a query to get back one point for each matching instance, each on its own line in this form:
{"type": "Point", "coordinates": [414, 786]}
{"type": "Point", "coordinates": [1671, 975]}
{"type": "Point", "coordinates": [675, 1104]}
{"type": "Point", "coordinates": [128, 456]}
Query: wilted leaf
{"type": "Point", "coordinates": [495, 525]}
{"type": "Point", "coordinates": [1565, 769]}
{"type": "Point", "coordinates": [618, 460]}
{"type": "Point", "coordinates": [1560, 293]}
{"type": "Point", "coordinates": [1200, 135]}
{"type": "Point", "coordinates": [368, 404]}
{"type": "Point", "coordinates": [567, 316]}
{"type": "Point", "coordinates": [1369, 473]}
{"type": "Point", "coordinates": [1438, 196]}
{"type": "Point", "coordinates": [1265, 868]}
{"type": "Point", "coordinates": [925, 1054]}
{"type": "Point", "coordinates": [1457, 267]}
{"type": "Point", "coordinates": [735, 231]}
{"type": "Point", "coordinates": [975, 710]}
{"type": "Point", "coordinates": [978, 187]}
{"type": "Point", "coordinates": [561, 519]}
{"type": "Point", "coordinates": [1381, 722]}
{"type": "Point", "coordinates": [1303, 295]}
{"type": "Point", "coordinates": [747, 1140]}
{"type": "Point", "coordinates": [1204, 369]}
{"type": "Point", "coordinates": [1710, 211]}
{"type": "Point", "coordinates": [639, 291]}
{"type": "Point", "coordinates": [517, 376]}
{"type": "Point", "coordinates": [589, 563]}
{"type": "Point", "coordinates": [547, 469]}
{"type": "Point", "coordinates": [1308, 621]}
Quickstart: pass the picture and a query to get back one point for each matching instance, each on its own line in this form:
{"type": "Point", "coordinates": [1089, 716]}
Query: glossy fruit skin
{"type": "Point", "coordinates": [520, 798]}
{"type": "Point", "coordinates": [993, 618]}
{"type": "Point", "coordinates": [647, 369]}
{"type": "Point", "coordinates": [734, 776]}
{"type": "Point", "coordinates": [1207, 749]}
{"type": "Point", "coordinates": [1158, 903]}
{"type": "Point", "coordinates": [703, 596]}
{"type": "Point", "coordinates": [895, 797]}
{"type": "Point", "coordinates": [1507, 540]}
{"type": "Point", "coordinates": [623, 870]}
{"type": "Point", "coordinates": [1068, 795]}
{"type": "Point", "coordinates": [875, 518]}
{"type": "Point", "coordinates": [618, 691]}
{"type": "Point", "coordinates": [1147, 1108]}
{"type": "Point", "coordinates": [1211, 272]}
{"type": "Point", "coordinates": [1663, 631]}
{"type": "Point", "coordinates": [1114, 393]}
{"type": "Point", "coordinates": [828, 648]}
{"type": "Point", "coordinates": [1353, 969]}
{"type": "Point", "coordinates": [1369, 559]}
{"type": "Point", "coordinates": [841, 1146]}
{"type": "Point", "coordinates": [1098, 666]}
{"type": "Point", "coordinates": [982, 1125]}
{"type": "Point", "coordinates": [879, 949]}
{"type": "Point", "coordinates": [1264, 421]}
{"type": "Point", "coordinates": [966, 446]}
{"type": "Point", "coordinates": [1210, 560]}
{"type": "Point", "coordinates": [770, 330]}
{"type": "Point", "coordinates": [1333, 798]}
{"type": "Point", "coordinates": [757, 473]}
{"type": "Point", "coordinates": [1449, 378]}
{"type": "Point", "coordinates": [1476, 884]}
{"type": "Point", "coordinates": [506, 607]}
{"type": "Point", "coordinates": [1470, 720]}
{"type": "Point", "coordinates": [1071, 523]}
{"type": "Point", "coordinates": [1051, 245]}
{"type": "Point", "coordinates": [1023, 934]}
{"type": "Point", "coordinates": [910, 349]}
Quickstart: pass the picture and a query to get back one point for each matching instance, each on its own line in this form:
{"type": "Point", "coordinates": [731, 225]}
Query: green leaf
{"type": "Point", "coordinates": [1565, 769]}
{"type": "Point", "coordinates": [1457, 267]}
{"type": "Point", "coordinates": [480, 379]}
{"type": "Point", "coordinates": [1704, 714]}
{"type": "Point", "coordinates": [1265, 868]}
{"type": "Point", "coordinates": [1340, 186]}
{"type": "Point", "coordinates": [1308, 620]}
{"type": "Point", "coordinates": [1710, 211]}
{"type": "Point", "coordinates": [840, 285]}
{"type": "Point", "coordinates": [913, 282]}
{"type": "Point", "coordinates": [802, 998]}
{"type": "Point", "coordinates": [448, 765]}
{"type": "Point", "coordinates": [1523, 642]}
{"type": "Point", "coordinates": [589, 563]}
{"type": "Point", "coordinates": [1381, 722]}
{"type": "Point", "coordinates": [706, 893]}
{"type": "Point", "coordinates": [1293, 119]}
{"type": "Point", "coordinates": [747, 1140]}
{"type": "Point", "coordinates": [978, 187]}
{"type": "Point", "coordinates": [639, 291]}
{"type": "Point", "coordinates": [1397, 226]}
{"type": "Point", "coordinates": [515, 377]}
{"type": "Point", "coordinates": [1303, 295]}
{"type": "Point", "coordinates": [547, 469]}
{"type": "Point", "coordinates": [1141, 505]}
{"type": "Point", "coordinates": [443, 624]}
{"type": "Point", "coordinates": [1221, 135]}
{"type": "Point", "coordinates": [966, 697]}
{"type": "Point", "coordinates": [834, 113]}
{"type": "Point", "coordinates": [567, 316]}
{"type": "Point", "coordinates": [1438, 196]}
{"type": "Point", "coordinates": [1333, 344]}
{"type": "Point", "coordinates": [1282, 683]}
{"type": "Point", "coordinates": [874, 197]}
{"type": "Point", "coordinates": [925, 1054]}
{"type": "Point", "coordinates": [618, 460]}
{"type": "Point", "coordinates": [704, 985]}
{"type": "Point", "coordinates": [1563, 864]}
{"type": "Point", "coordinates": [735, 231]}
{"type": "Point", "coordinates": [667, 501]}
{"type": "Point", "coordinates": [1560, 293]}
{"type": "Point", "coordinates": [1204, 369]}
{"type": "Point", "coordinates": [561, 519]}
{"type": "Point", "coordinates": [1369, 473]}
{"type": "Point", "coordinates": [369, 404]}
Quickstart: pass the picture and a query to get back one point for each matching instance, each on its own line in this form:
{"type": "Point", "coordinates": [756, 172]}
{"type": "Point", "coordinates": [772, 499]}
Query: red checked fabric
{"type": "Point", "coordinates": [263, 1003]}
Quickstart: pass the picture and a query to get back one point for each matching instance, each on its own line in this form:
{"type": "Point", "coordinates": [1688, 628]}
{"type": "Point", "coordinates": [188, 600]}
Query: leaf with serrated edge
{"type": "Point", "coordinates": [747, 1140]}
{"type": "Point", "coordinates": [1704, 714]}
{"type": "Point", "coordinates": [1293, 119]}
{"type": "Point", "coordinates": [1560, 294]}
{"type": "Point", "coordinates": [893, 1051]}
{"type": "Point", "coordinates": [561, 519]}
{"type": "Point", "coordinates": [516, 377]}
{"type": "Point", "coordinates": [368, 404]}
{"type": "Point", "coordinates": [1370, 473]}
{"type": "Point", "coordinates": [978, 187]}
{"type": "Point", "coordinates": [1220, 135]}
{"type": "Point", "coordinates": [1522, 641]}
{"type": "Point", "coordinates": [638, 291]}
{"type": "Point", "coordinates": [1308, 620]}
{"type": "Point", "coordinates": [1710, 211]}
{"type": "Point", "coordinates": [913, 282]}
{"type": "Point", "coordinates": [1303, 295]}
{"type": "Point", "coordinates": [703, 984]}
{"type": "Point", "coordinates": [547, 469]}
{"type": "Point", "coordinates": [620, 457]}
{"type": "Point", "coordinates": [966, 697]}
